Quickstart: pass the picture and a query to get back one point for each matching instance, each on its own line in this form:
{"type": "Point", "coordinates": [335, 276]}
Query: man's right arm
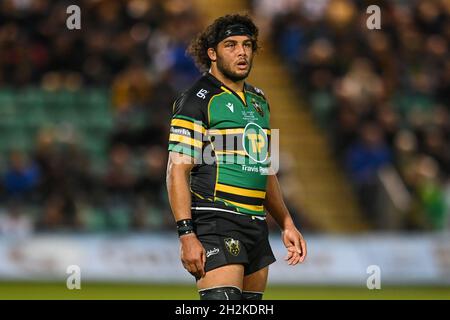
{"type": "Point", "coordinates": [193, 255]}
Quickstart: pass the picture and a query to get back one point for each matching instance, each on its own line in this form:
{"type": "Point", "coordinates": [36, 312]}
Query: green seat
{"type": "Point", "coordinates": [94, 145]}
{"type": "Point", "coordinates": [15, 138]}
{"type": "Point", "coordinates": [94, 219]}
{"type": "Point", "coordinates": [9, 111]}
{"type": "Point", "coordinates": [98, 99]}
{"type": "Point", "coordinates": [66, 98]}
{"type": "Point", "coordinates": [7, 99]}
{"type": "Point", "coordinates": [95, 107]}
{"type": "Point", "coordinates": [155, 217]}
{"type": "Point", "coordinates": [61, 106]}
{"type": "Point", "coordinates": [31, 97]}
{"type": "Point", "coordinates": [119, 218]}
{"type": "Point", "coordinates": [65, 113]}
{"type": "Point", "coordinates": [32, 108]}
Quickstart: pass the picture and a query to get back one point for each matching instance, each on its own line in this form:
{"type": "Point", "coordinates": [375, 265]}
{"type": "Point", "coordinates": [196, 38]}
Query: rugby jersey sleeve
{"type": "Point", "coordinates": [187, 127]}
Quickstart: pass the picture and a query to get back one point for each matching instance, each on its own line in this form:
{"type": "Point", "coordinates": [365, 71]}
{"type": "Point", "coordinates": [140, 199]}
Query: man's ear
{"type": "Point", "coordinates": [212, 54]}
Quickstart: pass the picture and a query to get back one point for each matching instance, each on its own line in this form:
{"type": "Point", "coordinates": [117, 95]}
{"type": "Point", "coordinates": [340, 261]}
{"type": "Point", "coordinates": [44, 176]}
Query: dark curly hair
{"type": "Point", "coordinates": [209, 38]}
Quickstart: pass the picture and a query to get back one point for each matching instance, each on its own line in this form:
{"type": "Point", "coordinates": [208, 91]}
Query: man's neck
{"type": "Point", "coordinates": [235, 86]}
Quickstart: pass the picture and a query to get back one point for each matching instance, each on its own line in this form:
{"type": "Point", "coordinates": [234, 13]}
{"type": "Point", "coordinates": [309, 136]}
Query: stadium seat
{"type": "Point", "coordinates": [31, 103]}
{"type": "Point", "coordinates": [154, 217]}
{"type": "Point", "coordinates": [15, 138]}
{"type": "Point", "coordinates": [119, 217]}
{"type": "Point", "coordinates": [8, 108]}
{"type": "Point", "coordinates": [94, 219]}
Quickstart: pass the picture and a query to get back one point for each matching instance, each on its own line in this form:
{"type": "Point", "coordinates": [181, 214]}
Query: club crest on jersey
{"type": "Point", "coordinates": [233, 246]}
{"type": "Point", "coordinates": [258, 90]}
{"type": "Point", "coordinates": [257, 107]}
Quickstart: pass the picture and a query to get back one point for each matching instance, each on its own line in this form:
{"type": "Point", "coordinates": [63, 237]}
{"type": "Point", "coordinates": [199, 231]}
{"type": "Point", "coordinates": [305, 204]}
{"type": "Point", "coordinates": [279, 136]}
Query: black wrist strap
{"type": "Point", "coordinates": [185, 226]}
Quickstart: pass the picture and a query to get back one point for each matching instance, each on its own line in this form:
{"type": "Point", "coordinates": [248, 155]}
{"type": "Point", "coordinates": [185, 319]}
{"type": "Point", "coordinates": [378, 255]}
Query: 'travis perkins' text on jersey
{"type": "Point", "coordinates": [229, 135]}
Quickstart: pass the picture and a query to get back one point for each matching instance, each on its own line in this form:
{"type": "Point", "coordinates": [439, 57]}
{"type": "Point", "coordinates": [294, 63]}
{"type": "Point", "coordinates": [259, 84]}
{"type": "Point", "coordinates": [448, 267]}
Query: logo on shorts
{"type": "Point", "coordinates": [212, 252]}
{"type": "Point", "coordinates": [233, 246]}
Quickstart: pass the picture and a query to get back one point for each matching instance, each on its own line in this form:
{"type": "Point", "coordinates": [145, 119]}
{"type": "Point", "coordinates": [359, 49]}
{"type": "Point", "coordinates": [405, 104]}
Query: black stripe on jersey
{"type": "Point", "coordinates": [189, 119]}
{"type": "Point", "coordinates": [204, 183]}
{"type": "Point", "coordinates": [239, 198]}
{"type": "Point", "coordinates": [250, 189]}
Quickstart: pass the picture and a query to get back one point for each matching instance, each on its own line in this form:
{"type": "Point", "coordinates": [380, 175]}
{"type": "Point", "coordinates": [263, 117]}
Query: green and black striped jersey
{"type": "Point", "coordinates": [229, 138]}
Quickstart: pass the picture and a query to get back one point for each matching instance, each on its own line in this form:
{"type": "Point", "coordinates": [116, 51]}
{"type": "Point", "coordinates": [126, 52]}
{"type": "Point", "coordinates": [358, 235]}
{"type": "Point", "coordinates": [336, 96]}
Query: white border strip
{"type": "Point", "coordinates": [224, 210]}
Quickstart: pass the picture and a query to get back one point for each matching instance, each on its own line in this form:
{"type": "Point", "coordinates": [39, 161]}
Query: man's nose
{"type": "Point", "coordinates": [241, 50]}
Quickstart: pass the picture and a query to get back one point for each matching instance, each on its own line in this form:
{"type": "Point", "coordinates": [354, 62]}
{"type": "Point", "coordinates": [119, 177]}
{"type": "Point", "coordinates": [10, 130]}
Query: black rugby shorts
{"type": "Point", "coordinates": [230, 238]}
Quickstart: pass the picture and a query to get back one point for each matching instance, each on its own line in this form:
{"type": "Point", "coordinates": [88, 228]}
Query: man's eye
{"type": "Point", "coordinates": [228, 45]}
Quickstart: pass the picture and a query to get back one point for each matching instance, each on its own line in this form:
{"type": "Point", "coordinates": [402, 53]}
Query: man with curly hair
{"type": "Point", "coordinates": [219, 178]}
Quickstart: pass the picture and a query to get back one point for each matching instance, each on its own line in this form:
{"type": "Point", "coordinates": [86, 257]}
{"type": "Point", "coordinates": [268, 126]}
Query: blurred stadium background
{"type": "Point", "coordinates": [364, 134]}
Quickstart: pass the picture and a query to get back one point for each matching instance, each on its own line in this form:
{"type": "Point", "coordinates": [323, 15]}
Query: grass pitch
{"type": "Point", "coordinates": [125, 291]}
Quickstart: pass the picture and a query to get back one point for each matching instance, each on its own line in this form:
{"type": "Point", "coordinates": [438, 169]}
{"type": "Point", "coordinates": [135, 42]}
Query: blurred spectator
{"type": "Point", "coordinates": [59, 213]}
{"type": "Point", "coordinates": [151, 183]}
{"type": "Point", "coordinates": [367, 155]}
{"type": "Point", "coordinates": [151, 207]}
{"type": "Point", "coordinates": [119, 182]}
{"type": "Point", "coordinates": [131, 88]}
{"type": "Point", "coordinates": [431, 194]}
{"type": "Point", "coordinates": [119, 179]}
{"type": "Point", "coordinates": [364, 158]}
{"type": "Point", "coordinates": [21, 177]}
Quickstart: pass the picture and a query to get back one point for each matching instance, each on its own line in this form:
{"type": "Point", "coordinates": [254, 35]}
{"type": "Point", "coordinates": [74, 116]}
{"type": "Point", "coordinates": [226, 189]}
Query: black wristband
{"type": "Point", "coordinates": [185, 226]}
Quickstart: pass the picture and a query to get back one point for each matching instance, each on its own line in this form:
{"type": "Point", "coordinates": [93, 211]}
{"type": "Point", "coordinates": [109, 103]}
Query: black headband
{"type": "Point", "coordinates": [234, 30]}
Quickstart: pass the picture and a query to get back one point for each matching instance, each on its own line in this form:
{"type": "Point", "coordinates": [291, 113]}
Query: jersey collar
{"type": "Point", "coordinates": [219, 83]}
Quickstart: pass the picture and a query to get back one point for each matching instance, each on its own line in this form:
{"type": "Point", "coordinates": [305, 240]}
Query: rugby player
{"type": "Point", "coordinates": [217, 175]}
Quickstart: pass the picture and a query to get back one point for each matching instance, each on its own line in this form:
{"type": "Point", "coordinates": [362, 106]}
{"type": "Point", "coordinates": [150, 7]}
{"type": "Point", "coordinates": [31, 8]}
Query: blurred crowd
{"type": "Point", "coordinates": [382, 96]}
{"type": "Point", "coordinates": [118, 40]}
{"type": "Point", "coordinates": [56, 189]}
{"type": "Point", "coordinates": [136, 48]}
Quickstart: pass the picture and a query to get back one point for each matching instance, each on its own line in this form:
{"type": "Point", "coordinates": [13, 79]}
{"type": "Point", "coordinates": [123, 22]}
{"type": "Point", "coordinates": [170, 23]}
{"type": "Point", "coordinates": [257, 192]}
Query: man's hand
{"type": "Point", "coordinates": [292, 238]}
{"type": "Point", "coordinates": [193, 255]}
{"type": "Point", "coordinates": [295, 244]}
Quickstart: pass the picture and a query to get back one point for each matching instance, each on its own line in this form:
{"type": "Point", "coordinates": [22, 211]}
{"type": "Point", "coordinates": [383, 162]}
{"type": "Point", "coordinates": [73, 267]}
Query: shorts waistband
{"type": "Point", "coordinates": [230, 211]}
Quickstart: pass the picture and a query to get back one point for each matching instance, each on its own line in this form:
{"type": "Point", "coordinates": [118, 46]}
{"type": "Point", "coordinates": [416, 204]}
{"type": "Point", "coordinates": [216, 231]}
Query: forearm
{"type": "Point", "coordinates": [292, 238]}
{"type": "Point", "coordinates": [193, 255]}
{"type": "Point", "coordinates": [275, 205]}
{"type": "Point", "coordinates": [179, 192]}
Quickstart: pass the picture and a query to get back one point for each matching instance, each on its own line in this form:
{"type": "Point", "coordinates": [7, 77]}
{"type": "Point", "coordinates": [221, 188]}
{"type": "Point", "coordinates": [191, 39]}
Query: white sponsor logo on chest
{"type": "Point", "coordinates": [249, 115]}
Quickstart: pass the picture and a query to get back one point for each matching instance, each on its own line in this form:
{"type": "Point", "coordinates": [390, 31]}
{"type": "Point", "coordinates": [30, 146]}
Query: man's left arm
{"type": "Point", "coordinates": [291, 236]}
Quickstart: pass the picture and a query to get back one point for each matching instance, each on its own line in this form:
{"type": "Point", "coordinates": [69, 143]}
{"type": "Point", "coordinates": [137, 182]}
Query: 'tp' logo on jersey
{"type": "Point", "coordinates": [255, 142]}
